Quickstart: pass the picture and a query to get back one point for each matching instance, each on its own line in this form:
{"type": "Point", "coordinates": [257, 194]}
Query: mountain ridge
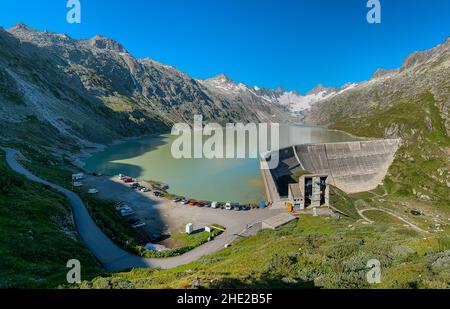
{"type": "Point", "coordinates": [93, 91]}
{"type": "Point", "coordinates": [422, 71]}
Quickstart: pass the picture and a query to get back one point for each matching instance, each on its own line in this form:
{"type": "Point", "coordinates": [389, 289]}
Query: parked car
{"type": "Point", "coordinates": [184, 201]}
{"type": "Point", "coordinates": [144, 189]}
{"type": "Point", "coordinates": [228, 206]}
{"type": "Point", "coordinates": [198, 204]}
{"type": "Point", "coordinates": [77, 184]}
{"type": "Point", "coordinates": [176, 199]}
{"type": "Point", "coordinates": [121, 206]}
{"type": "Point", "coordinates": [158, 194]}
{"type": "Point", "coordinates": [192, 202]}
{"type": "Point", "coordinates": [206, 203]}
{"type": "Point", "coordinates": [138, 224]}
{"type": "Point", "coordinates": [215, 205]}
{"type": "Point", "coordinates": [126, 212]}
{"type": "Point", "coordinates": [126, 208]}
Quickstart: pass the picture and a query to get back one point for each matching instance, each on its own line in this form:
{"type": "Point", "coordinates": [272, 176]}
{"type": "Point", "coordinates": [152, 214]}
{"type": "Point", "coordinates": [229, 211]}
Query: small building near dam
{"type": "Point", "coordinates": [310, 191]}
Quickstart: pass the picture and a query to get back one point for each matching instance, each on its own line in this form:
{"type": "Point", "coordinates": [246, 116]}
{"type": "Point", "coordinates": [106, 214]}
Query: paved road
{"type": "Point", "coordinates": [105, 250]}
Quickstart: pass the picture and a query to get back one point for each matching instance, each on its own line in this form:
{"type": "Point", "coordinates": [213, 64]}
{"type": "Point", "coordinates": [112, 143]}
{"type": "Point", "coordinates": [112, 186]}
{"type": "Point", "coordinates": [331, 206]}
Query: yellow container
{"type": "Point", "coordinates": [289, 207]}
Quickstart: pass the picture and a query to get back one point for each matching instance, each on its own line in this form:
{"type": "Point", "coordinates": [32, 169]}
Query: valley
{"type": "Point", "coordinates": [60, 97]}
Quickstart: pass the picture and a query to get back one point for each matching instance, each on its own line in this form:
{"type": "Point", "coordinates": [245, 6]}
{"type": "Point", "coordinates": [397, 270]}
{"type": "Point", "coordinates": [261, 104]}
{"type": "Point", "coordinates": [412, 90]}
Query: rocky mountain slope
{"type": "Point", "coordinates": [427, 71]}
{"type": "Point", "coordinates": [82, 92]}
{"type": "Point", "coordinates": [411, 103]}
{"type": "Point", "coordinates": [293, 101]}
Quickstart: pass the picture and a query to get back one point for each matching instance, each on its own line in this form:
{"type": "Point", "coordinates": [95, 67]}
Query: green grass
{"type": "Point", "coordinates": [116, 227]}
{"type": "Point", "coordinates": [187, 242]}
{"type": "Point", "coordinates": [382, 217]}
{"type": "Point", "coordinates": [330, 253]}
{"type": "Point", "coordinates": [343, 202]}
{"type": "Point", "coordinates": [38, 237]}
{"type": "Point", "coordinates": [423, 152]}
{"type": "Point", "coordinates": [184, 244]}
{"type": "Point", "coordinates": [314, 252]}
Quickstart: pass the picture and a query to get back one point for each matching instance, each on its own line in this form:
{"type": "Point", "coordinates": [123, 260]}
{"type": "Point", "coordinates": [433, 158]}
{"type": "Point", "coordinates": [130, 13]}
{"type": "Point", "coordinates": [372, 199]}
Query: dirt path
{"type": "Point", "coordinates": [362, 211]}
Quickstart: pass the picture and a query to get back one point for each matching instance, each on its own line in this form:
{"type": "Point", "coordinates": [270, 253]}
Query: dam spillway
{"type": "Point", "coordinates": [353, 167]}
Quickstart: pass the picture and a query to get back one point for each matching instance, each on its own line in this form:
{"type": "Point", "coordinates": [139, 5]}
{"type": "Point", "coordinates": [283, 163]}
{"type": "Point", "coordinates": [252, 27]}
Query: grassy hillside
{"type": "Point", "coordinates": [315, 252]}
{"type": "Point", "coordinates": [38, 237]}
{"type": "Point", "coordinates": [331, 253]}
{"type": "Point", "coordinates": [421, 170]}
{"type": "Point", "coordinates": [107, 218]}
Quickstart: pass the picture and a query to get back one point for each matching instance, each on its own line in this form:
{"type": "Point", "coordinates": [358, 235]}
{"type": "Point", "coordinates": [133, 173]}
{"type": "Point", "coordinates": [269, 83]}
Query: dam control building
{"type": "Point", "coordinates": [310, 191]}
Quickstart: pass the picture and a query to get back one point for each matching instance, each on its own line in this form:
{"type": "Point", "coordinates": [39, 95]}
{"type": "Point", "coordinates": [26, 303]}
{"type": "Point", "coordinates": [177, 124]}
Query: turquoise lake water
{"type": "Point", "coordinates": [236, 180]}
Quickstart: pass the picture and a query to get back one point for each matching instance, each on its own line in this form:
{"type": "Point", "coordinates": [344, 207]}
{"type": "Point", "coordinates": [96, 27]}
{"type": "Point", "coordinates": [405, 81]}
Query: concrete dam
{"type": "Point", "coordinates": [353, 167]}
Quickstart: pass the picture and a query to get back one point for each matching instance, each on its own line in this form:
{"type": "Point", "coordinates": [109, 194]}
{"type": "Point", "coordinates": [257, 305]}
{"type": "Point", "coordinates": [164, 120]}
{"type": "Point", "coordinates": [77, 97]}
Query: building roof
{"type": "Point", "coordinates": [295, 190]}
{"type": "Point", "coordinates": [277, 221]}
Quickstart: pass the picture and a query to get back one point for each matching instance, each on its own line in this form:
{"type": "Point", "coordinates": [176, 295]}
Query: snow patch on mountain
{"type": "Point", "coordinates": [293, 100]}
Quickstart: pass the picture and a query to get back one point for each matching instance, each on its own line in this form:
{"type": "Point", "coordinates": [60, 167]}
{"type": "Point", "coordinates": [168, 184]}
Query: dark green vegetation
{"type": "Point", "coordinates": [184, 243]}
{"type": "Point", "coordinates": [331, 253]}
{"type": "Point", "coordinates": [119, 229]}
{"type": "Point", "coordinates": [420, 169]}
{"type": "Point", "coordinates": [315, 252]}
{"type": "Point", "coordinates": [343, 203]}
{"type": "Point", "coordinates": [38, 237]}
{"type": "Point", "coordinates": [116, 227]}
{"type": "Point", "coordinates": [107, 218]}
{"type": "Point", "coordinates": [424, 149]}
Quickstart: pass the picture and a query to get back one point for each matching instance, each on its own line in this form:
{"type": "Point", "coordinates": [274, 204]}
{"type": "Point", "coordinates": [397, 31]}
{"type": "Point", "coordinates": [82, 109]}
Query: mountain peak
{"type": "Point", "coordinates": [382, 73]}
{"type": "Point", "coordinates": [222, 78]}
{"type": "Point", "coordinates": [102, 42]}
{"type": "Point", "coordinates": [316, 90]}
{"type": "Point", "coordinates": [21, 27]}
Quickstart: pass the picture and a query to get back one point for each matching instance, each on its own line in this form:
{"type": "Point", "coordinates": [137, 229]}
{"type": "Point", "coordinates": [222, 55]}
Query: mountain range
{"type": "Point", "coordinates": [90, 91]}
{"type": "Point", "coordinates": [93, 91]}
{"type": "Point", "coordinates": [422, 72]}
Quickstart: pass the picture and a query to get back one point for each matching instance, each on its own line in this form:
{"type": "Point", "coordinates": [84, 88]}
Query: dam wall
{"type": "Point", "coordinates": [352, 166]}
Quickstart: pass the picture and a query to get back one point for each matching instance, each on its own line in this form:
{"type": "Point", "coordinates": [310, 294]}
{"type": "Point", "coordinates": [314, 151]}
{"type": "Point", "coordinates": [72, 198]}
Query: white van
{"type": "Point", "coordinates": [78, 176]}
{"type": "Point", "coordinates": [214, 205]}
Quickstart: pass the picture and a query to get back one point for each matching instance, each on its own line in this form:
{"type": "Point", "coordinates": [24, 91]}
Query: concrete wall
{"type": "Point", "coordinates": [353, 166]}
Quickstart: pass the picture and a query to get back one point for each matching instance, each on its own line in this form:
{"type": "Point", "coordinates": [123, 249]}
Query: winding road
{"type": "Point", "coordinates": [112, 257]}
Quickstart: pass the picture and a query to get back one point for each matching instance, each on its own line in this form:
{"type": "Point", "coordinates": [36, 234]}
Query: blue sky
{"type": "Point", "coordinates": [295, 44]}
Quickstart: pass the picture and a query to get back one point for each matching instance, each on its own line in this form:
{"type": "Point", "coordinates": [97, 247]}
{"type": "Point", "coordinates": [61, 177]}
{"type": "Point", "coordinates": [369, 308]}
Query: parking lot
{"type": "Point", "coordinates": [165, 217]}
